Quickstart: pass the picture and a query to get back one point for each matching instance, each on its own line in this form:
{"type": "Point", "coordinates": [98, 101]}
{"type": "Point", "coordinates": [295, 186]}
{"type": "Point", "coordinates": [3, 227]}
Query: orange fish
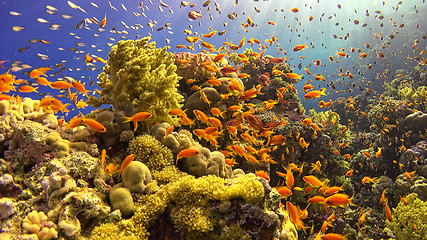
{"type": "Point", "coordinates": [36, 73]}
{"type": "Point", "coordinates": [140, 116]}
{"type": "Point", "coordinates": [93, 124]}
{"type": "Point", "coordinates": [284, 191]}
{"type": "Point", "coordinates": [313, 181]}
{"type": "Point", "coordinates": [74, 122]}
{"type": "Point", "coordinates": [334, 236]}
{"type": "Point", "coordinates": [60, 85]}
{"type": "Point", "coordinates": [102, 158]}
{"type": "Point", "coordinates": [211, 34]}
{"type": "Point", "coordinates": [294, 10]}
{"type": "Point", "coordinates": [262, 174]}
{"type": "Point", "coordinates": [169, 130]}
{"type": "Point", "coordinates": [338, 199]}
{"type": "Point", "coordinates": [332, 190]}
{"type": "Point", "coordinates": [349, 173]}
{"type": "Point", "coordinates": [27, 89]}
{"type": "Point", "coordinates": [316, 199]}
{"type": "Point", "coordinates": [80, 87]}
{"type": "Point", "coordinates": [293, 75]}
{"type": "Point", "coordinates": [315, 94]}
{"type": "Point", "coordinates": [126, 163]}
{"type": "Point", "coordinates": [177, 112]}
{"type": "Point", "coordinates": [187, 153]}
{"type": "Point", "coordinates": [383, 199]}
{"type": "Point", "coordinates": [229, 69]}
{"type": "Point", "coordinates": [388, 212]}
{"type": "Point", "coordinates": [42, 81]}
{"type": "Point", "coordinates": [110, 168]}
{"type": "Point", "coordinates": [88, 58]}
{"type": "Point", "coordinates": [104, 21]}
{"type": "Point", "coordinates": [298, 48]}
{"type": "Point", "coordinates": [367, 179]}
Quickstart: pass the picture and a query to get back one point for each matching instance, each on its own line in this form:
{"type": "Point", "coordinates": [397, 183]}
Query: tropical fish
{"type": "Point", "coordinates": [137, 117]}
{"type": "Point", "coordinates": [187, 153]}
{"type": "Point", "coordinates": [315, 94]}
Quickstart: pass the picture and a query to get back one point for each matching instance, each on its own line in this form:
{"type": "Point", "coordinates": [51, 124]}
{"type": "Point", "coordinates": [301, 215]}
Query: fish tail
{"type": "Point", "coordinates": [127, 119]}
{"type": "Point", "coordinates": [322, 92]}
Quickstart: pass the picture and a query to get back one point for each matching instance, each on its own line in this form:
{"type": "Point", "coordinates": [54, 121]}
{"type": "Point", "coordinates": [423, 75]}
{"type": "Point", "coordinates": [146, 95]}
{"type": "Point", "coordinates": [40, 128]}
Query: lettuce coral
{"type": "Point", "coordinates": [140, 77]}
{"type": "Point", "coordinates": [406, 216]}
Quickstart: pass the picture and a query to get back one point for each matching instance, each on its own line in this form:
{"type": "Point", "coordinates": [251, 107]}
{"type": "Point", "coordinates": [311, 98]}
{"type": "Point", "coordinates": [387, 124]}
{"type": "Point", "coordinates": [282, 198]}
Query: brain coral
{"type": "Point", "coordinates": [139, 77]}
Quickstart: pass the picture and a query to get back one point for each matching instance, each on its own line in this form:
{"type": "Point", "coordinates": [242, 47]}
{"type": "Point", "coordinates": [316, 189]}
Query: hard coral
{"type": "Point", "coordinates": [150, 151]}
{"type": "Point", "coordinates": [206, 163]}
{"type": "Point", "coordinates": [174, 141]}
{"type": "Point", "coordinates": [193, 195]}
{"type": "Point", "coordinates": [409, 220]}
{"type": "Point", "coordinates": [140, 77]}
{"type": "Point", "coordinates": [136, 176]}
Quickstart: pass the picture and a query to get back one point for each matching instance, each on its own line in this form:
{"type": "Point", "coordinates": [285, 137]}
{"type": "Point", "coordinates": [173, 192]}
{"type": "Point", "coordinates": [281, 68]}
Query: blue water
{"type": "Point", "coordinates": [291, 29]}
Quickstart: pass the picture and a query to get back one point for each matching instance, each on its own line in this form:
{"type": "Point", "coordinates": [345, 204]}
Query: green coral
{"type": "Point", "coordinates": [411, 95]}
{"type": "Point", "coordinates": [332, 126]}
{"type": "Point", "coordinates": [140, 77]}
{"type": "Point", "coordinates": [109, 231]}
{"type": "Point", "coordinates": [405, 216]}
{"type": "Point", "coordinates": [187, 200]}
{"type": "Point", "coordinates": [151, 152]}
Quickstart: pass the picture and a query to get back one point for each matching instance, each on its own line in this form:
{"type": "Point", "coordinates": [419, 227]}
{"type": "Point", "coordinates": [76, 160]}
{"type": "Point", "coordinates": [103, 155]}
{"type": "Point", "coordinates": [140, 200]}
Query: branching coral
{"type": "Point", "coordinates": [332, 127]}
{"type": "Point", "coordinates": [193, 69]}
{"type": "Point", "coordinates": [140, 77]}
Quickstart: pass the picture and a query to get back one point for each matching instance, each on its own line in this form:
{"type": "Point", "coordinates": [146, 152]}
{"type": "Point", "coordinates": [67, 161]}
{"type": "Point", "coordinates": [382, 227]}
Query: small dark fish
{"type": "Point", "coordinates": [80, 25]}
{"type": "Point", "coordinates": [364, 25]}
{"type": "Point", "coordinates": [23, 49]}
{"type": "Point", "coordinates": [205, 4]}
{"type": "Point", "coordinates": [356, 22]}
{"type": "Point", "coordinates": [339, 6]}
{"type": "Point", "coordinates": [222, 33]}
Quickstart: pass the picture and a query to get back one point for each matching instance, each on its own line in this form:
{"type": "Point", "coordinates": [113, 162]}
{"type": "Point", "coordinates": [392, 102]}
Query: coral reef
{"type": "Point", "coordinates": [139, 77]}
{"type": "Point", "coordinates": [150, 151]}
{"type": "Point", "coordinates": [193, 203]}
{"type": "Point", "coordinates": [409, 220]}
{"type": "Point", "coordinates": [414, 159]}
{"type": "Point", "coordinates": [36, 222]}
{"type": "Point", "coordinates": [193, 69]}
{"type": "Point", "coordinates": [136, 176]}
{"type": "Point", "coordinates": [175, 141]}
{"type": "Point", "coordinates": [121, 198]}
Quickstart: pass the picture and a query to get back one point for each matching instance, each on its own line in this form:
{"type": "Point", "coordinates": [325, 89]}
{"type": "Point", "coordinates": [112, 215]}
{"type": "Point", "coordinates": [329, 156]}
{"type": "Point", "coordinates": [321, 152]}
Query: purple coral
{"type": "Point", "coordinates": [414, 159]}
